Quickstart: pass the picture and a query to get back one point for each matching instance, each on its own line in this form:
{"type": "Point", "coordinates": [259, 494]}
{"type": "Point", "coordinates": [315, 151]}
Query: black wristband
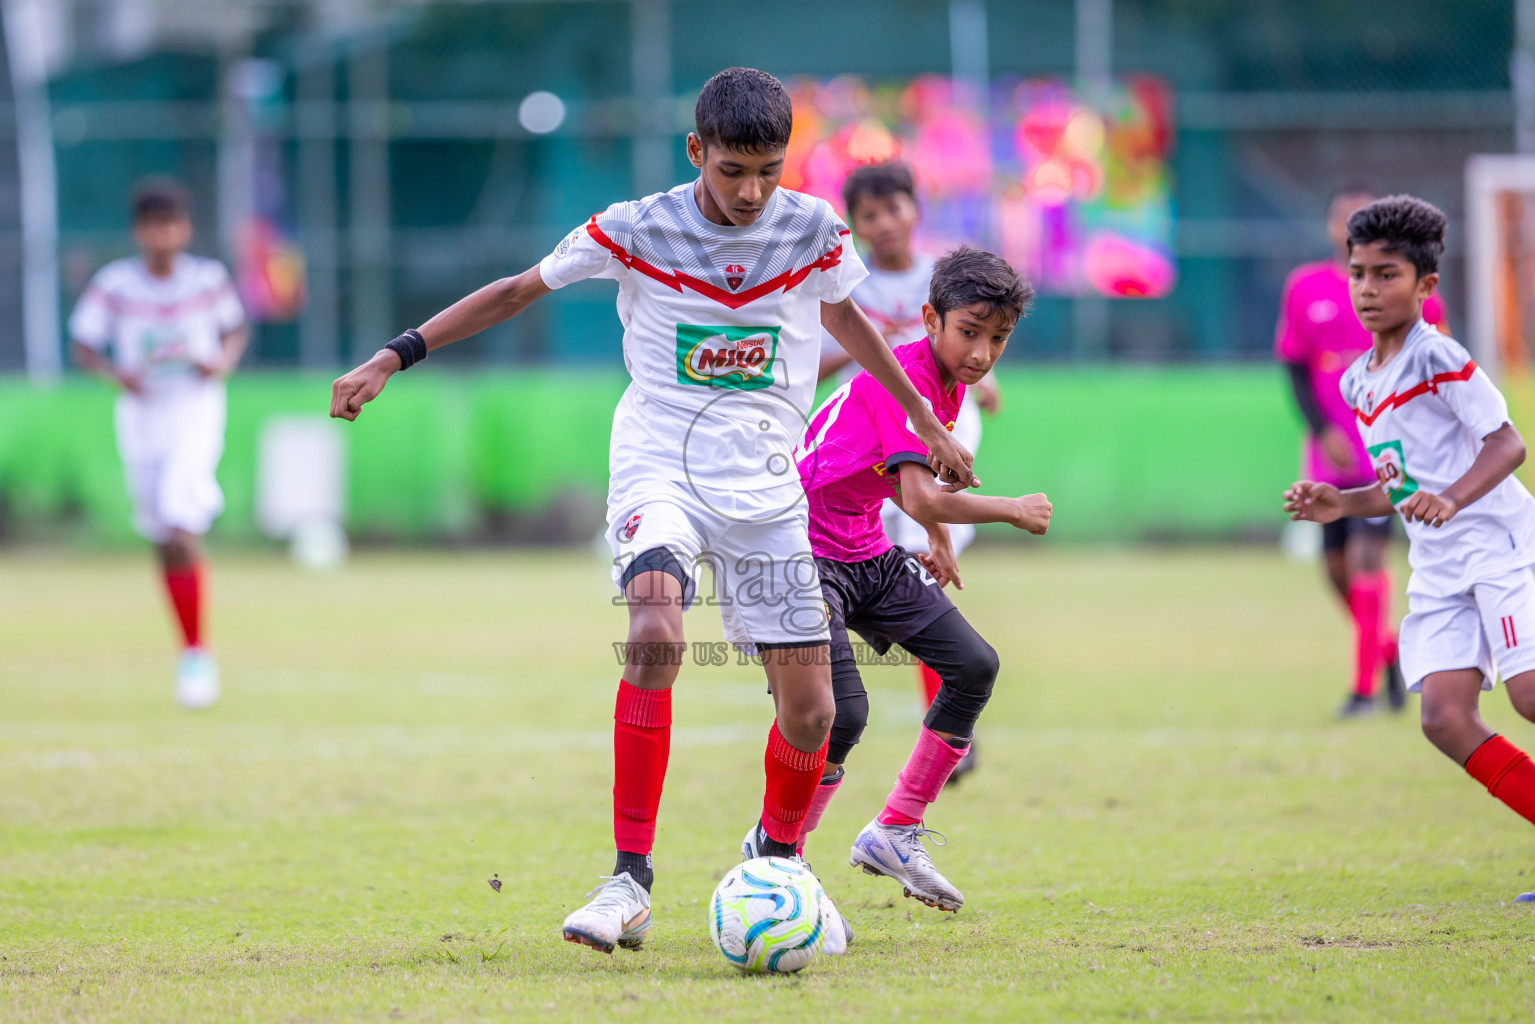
{"type": "Point", "coordinates": [410, 347]}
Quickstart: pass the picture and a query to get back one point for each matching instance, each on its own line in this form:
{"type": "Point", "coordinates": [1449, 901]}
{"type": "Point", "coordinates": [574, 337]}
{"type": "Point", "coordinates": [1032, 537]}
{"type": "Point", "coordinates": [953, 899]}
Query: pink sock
{"type": "Point", "coordinates": [1366, 600]}
{"type": "Point", "coordinates": [920, 782]}
{"type": "Point", "coordinates": [823, 794]}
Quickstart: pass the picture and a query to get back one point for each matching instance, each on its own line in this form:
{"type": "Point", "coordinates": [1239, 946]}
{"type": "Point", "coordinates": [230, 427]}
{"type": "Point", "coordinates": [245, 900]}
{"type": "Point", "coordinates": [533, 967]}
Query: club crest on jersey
{"type": "Point", "coordinates": [627, 531]}
{"type": "Point", "coordinates": [734, 275]}
{"type": "Point", "coordinates": [726, 357]}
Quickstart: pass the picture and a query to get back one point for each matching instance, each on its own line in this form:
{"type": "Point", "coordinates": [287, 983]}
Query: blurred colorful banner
{"type": "Point", "coordinates": [1075, 194]}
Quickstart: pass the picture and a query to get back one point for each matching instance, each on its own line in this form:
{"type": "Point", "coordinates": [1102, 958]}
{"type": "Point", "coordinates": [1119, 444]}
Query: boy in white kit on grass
{"type": "Point", "coordinates": [175, 329]}
{"type": "Point", "coordinates": [1444, 451]}
{"type": "Point", "coordinates": [724, 284]}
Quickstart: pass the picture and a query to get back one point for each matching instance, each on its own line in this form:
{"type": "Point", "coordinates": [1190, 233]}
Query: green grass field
{"type": "Point", "coordinates": [1167, 824]}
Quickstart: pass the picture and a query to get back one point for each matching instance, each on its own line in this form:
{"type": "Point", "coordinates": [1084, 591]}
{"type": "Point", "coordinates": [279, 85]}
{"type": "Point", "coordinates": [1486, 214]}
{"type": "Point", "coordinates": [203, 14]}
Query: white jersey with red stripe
{"type": "Point", "coordinates": [893, 299]}
{"type": "Point", "coordinates": [159, 328]}
{"type": "Point", "coordinates": [1423, 417]}
{"type": "Point", "coordinates": [722, 329]}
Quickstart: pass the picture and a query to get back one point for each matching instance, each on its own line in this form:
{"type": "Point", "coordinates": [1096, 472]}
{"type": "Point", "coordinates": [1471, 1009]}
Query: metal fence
{"type": "Point", "coordinates": [391, 146]}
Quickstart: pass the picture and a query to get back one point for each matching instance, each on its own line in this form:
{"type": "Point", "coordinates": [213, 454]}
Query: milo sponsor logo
{"type": "Point", "coordinates": [1391, 471]}
{"type": "Point", "coordinates": [726, 357]}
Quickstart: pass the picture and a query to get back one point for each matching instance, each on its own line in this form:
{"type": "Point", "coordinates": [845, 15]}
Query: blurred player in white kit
{"type": "Point", "coordinates": [881, 205]}
{"type": "Point", "coordinates": [167, 327]}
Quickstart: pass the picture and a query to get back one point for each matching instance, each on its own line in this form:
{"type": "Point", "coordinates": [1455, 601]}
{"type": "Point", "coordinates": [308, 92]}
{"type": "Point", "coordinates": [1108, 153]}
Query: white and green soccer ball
{"type": "Point", "coordinates": [766, 916]}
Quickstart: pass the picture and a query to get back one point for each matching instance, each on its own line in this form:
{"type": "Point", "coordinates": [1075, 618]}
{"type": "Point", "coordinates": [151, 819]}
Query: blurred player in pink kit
{"type": "Point", "coordinates": [175, 329]}
{"type": "Point", "coordinates": [859, 449]}
{"type": "Point", "coordinates": [881, 204]}
{"type": "Point", "coordinates": [1317, 338]}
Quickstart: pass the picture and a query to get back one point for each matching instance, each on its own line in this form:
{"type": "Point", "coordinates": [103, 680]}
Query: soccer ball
{"type": "Point", "coordinates": [766, 916]}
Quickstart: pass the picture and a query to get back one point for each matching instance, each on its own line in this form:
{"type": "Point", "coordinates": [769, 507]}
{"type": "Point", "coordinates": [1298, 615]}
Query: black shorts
{"type": "Point", "coordinates": [1336, 534]}
{"type": "Point", "coordinates": [885, 599]}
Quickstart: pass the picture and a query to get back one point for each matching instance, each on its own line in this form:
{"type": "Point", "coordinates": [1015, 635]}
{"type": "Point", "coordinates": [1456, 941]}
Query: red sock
{"type": "Point", "coordinates": [930, 682]}
{"type": "Point", "coordinates": [1367, 602]}
{"type": "Point", "coordinates": [1389, 652]}
{"type": "Point", "coordinates": [642, 742]}
{"type": "Point", "coordinates": [1507, 773]}
{"type": "Point", "coordinates": [185, 588]}
{"type": "Point", "coordinates": [792, 778]}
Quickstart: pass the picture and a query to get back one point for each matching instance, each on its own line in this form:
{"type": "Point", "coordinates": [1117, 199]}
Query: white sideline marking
{"type": "Point", "coordinates": [391, 741]}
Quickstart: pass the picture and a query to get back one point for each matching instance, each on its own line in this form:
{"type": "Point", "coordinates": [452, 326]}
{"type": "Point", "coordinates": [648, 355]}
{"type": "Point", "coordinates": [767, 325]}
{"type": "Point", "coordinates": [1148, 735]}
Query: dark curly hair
{"type": "Point", "coordinates": [160, 197]}
{"type": "Point", "coordinates": [745, 110]}
{"type": "Point", "coordinates": [1402, 224]}
{"type": "Point", "coordinates": [877, 181]}
{"type": "Point", "coordinates": [974, 277]}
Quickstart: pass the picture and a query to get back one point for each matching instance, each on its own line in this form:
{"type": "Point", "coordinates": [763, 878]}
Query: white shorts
{"type": "Point", "coordinates": [901, 528]}
{"type": "Point", "coordinates": [171, 453]}
{"type": "Point", "coordinates": [1490, 627]}
{"type": "Point", "coordinates": [765, 579]}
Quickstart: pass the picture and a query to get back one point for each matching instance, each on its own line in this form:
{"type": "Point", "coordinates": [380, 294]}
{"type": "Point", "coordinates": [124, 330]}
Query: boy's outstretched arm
{"type": "Point", "coordinates": [496, 302]}
{"type": "Point", "coordinates": [859, 338]}
{"type": "Point", "coordinates": [1502, 453]}
{"type": "Point", "coordinates": [926, 501]}
{"type": "Point", "coordinates": [1324, 503]}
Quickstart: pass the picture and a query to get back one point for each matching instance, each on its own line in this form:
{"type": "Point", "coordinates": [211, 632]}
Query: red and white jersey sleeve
{"type": "Point", "coordinates": [722, 330]}
{"type": "Point", "coordinates": [1423, 417]}
{"type": "Point", "coordinates": [580, 256]}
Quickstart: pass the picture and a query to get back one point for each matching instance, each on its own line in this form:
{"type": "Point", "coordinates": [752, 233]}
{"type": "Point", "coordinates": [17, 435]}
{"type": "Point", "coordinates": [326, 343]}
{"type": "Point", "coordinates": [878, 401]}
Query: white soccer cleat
{"type": "Point", "coordinates": [618, 916]}
{"type": "Point", "coordinates": [896, 851]}
{"type": "Point", "coordinates": [197, 679]}
{"type": "Point", "coordinates": [839, 931]}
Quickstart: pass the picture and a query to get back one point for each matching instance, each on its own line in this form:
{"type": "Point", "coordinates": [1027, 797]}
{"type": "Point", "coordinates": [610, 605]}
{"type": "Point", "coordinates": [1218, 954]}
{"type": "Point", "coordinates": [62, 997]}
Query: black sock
{"type": "Point", "coordinates": [767, 846]}
{"type": "Point", "coordinates": [638, 866]}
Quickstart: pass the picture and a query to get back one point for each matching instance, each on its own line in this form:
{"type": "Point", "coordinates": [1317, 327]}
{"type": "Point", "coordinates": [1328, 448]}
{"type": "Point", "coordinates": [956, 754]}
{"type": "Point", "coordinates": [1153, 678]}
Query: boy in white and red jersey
{"type": "Point", "coordinates": [858, 451]}
{"type": "Point", "coordinates": [1317, 338]}
{"type": "Point", "coordinates": [175, 330]}
{"type": "Point", "coordinates": [881, 205]}
{"type": "Point", "coordinates": [1444, 451]}
{"type": "Point", "coordinates": [724, 286]}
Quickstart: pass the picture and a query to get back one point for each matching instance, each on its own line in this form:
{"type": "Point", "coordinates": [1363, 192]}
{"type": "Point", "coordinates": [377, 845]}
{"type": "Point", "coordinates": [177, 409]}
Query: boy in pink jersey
{"type": "Point", "coordinates": [881, 205]}
{"type": "Point", "coordinates": [858, 450]}
{"type": "Point", "coordinates": [1317, 338]}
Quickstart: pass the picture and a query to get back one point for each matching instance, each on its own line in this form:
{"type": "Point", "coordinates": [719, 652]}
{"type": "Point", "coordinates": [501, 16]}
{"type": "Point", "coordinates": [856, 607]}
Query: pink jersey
{"type": "Point", "coordinates": [849, 454]}
{"type": "Point", "coordinates": [1318, 329]}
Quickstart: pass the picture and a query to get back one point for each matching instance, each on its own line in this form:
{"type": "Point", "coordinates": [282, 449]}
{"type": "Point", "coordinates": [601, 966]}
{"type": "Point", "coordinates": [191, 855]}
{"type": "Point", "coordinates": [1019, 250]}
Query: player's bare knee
{"type": "Point", "coordinates": [1521, 693]}
{"type": "Point", "coordinates": [654, 625]}
{"type": "Point", "coordinates": [807, 724]}
{"type": "Point", "coordinates": [179, 550]}
{"type": "Point", "coordinates": [1444, 723]}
